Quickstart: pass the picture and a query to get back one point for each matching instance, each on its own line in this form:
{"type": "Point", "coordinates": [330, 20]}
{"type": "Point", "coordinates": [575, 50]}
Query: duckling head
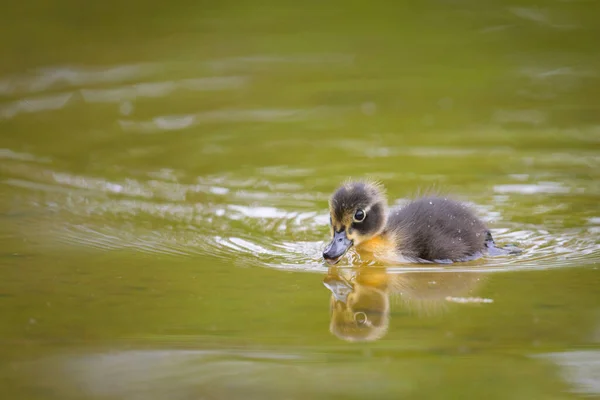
{"type": "Point", "coordinates": [358, 212]}
{"type": "Point", "coordinates": [358, 312]}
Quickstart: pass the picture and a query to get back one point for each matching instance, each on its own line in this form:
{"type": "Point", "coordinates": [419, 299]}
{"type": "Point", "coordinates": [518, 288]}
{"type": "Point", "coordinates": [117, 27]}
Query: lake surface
{"type": "Point", "coordinates": [165, 170]}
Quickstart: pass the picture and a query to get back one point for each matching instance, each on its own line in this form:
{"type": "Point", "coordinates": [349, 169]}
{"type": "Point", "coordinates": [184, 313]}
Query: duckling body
{"type": "Point", "coordinates": [429, 229]}
{"type": "Point", "coordinates": [436, 229]}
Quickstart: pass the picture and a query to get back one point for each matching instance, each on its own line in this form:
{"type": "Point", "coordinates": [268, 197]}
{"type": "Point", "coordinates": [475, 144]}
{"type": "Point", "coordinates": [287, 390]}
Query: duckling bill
{"type": "Point", "coordinates": [428, 229]}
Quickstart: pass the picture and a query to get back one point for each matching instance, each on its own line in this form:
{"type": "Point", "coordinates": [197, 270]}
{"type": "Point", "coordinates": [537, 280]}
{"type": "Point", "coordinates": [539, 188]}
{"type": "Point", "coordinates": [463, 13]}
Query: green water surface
{"type": "Point", "coordinates": [165, 170]}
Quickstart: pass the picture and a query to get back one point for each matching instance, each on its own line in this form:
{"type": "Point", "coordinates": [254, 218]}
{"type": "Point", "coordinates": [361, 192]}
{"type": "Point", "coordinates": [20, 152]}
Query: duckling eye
{"type": "Point", "coordinates": [360, 318]}
{"type": "Point", "coordinates": [359, 215]}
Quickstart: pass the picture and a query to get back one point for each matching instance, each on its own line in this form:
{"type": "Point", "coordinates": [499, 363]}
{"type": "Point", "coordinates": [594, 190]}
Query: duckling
{"type": "Point", "coordinates": [360, 298]}
{"type": "Point", "coordinates": [360, 308]}
{"type": "Point", "coordinates": [428, 229]}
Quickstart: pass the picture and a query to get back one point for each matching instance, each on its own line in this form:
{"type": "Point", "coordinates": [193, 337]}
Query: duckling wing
{"type": "Point", "coordinates": [437, 229]}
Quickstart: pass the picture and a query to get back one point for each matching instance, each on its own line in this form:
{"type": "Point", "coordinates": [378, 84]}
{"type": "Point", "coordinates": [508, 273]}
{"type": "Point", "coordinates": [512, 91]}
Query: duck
{"type": "Point", "coordinates": [360, 297]}
{"type": "Point", "coordinates": [360, 305]}
{"type": "Point", "coordinates": [429, 229]}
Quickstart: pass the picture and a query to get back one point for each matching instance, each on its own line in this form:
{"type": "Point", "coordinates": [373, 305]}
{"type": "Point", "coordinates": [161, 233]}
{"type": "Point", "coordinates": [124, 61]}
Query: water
{"type": "Point", "coordinates": [165, 172]}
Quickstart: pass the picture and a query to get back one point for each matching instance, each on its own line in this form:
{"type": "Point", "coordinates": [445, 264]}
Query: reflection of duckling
{"type": "Point", "coordinates": [428, 293]}
{"type": "Point", "coordinates": [360, 308]}
{"type": "Point", "coordinates": [360, 305]}
{"type": "Point", "coordinates": [429, 229]}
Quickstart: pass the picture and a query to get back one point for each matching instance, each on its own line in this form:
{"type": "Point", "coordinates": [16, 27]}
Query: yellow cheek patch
{"type": "Point", "coordinates": [378, 244]}
{"type": "Point", "coordinates": [353, 236]}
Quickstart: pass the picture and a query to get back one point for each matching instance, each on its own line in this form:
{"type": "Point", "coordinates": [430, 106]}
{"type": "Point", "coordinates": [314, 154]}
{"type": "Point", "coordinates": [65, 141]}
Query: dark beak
{"type": "Point", "coordinates": [337, 247]}
{"type": "Point", "coordinates": [340, 287]}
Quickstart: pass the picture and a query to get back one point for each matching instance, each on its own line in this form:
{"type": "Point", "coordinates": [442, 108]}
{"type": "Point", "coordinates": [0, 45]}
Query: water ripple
{"type": "Point", "coordinates": [51, 77]}
{"type": "Point", "coordinates": [262, 219]}
{"type": "Point", "coordinates": [161, 89]}
{"type": "Point", "coordinates": [176, 122]}
{"type": "Point", "coordinates": [35, 104]}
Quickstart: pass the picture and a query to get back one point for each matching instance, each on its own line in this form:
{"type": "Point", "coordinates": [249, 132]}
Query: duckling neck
{"type": "Point", "coordinates": [382, 244]}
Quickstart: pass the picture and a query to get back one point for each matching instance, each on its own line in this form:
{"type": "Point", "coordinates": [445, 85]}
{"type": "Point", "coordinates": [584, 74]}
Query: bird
{"type": "Point", "coordinates": [361, 297]}
{"type": "Point", "coordinates": [429, 229]}
{"type": "Point", "coordinates": [359, 305]}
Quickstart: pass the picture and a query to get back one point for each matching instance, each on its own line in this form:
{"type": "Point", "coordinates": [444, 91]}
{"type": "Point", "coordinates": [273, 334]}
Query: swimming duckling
{"type": "Point", "coordinates": [429, 229]}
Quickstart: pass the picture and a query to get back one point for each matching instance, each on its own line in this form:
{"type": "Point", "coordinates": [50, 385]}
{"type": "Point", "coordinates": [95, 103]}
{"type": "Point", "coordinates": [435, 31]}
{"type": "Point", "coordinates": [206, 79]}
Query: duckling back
{"type": "Point", "coordinates": [437, 229]}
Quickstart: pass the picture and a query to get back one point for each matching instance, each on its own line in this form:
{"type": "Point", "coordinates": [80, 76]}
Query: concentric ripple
{"type": "Point", "coordinates": [266, 222]}
{"type": "Point", "coordinates": [274, 213]}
